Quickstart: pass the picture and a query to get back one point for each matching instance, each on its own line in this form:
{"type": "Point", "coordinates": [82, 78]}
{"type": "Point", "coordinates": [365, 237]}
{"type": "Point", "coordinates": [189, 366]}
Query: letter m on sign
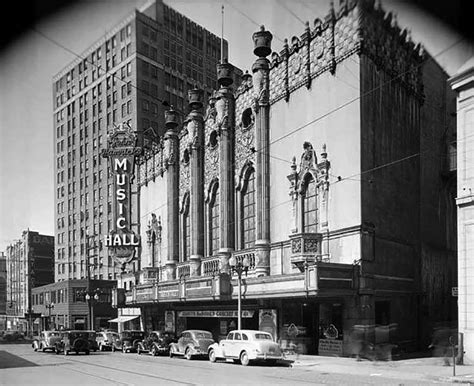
{"type": "Point", "coordinates": [120, 164]}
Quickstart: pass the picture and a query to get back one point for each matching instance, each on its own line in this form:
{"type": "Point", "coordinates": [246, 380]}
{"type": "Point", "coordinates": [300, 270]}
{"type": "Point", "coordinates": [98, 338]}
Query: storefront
{"type": "Point", "coordinates": [308, 326]}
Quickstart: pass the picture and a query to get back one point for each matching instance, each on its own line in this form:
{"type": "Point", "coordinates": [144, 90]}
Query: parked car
{"type": "Point", "coordinates": [74, 340]}
{"type": "Point", "coordinates": [192, 343]}
{"type": "Point", "coordinates": [93, 344]}
{"type": "Point", "coordinates": [128, 340]}
{"type": "Point", "coordinates": [46, 341]}
{"type": "Point", "coordinates": [106, 339]}
{"type": "Point", "coordinates": [246, 346]}
{"type": "Point", "coordinates": [156, 343]}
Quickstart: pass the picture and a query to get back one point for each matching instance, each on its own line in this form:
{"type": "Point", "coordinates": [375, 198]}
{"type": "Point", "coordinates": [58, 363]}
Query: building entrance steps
{"type": "Point", "coordinates": [422, 369]}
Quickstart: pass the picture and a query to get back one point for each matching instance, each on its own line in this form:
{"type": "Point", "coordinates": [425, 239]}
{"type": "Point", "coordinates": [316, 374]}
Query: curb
{"type": "Point", "coordinates": [304, 364]}
{"type": "Point", "coordinates": [459, 379]}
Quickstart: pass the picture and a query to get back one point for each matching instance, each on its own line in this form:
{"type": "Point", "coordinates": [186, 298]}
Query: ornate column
{"type": "Point", "coordinates": [323, 202]}
{"type": "Point", "coordinates": [261, 68]}
{"type": "Point", "coordinates": [225, 108]}
{"type": "Point", "coordinates": [172, 166]}
{"type": "Point", "coordinates": [195, 127]}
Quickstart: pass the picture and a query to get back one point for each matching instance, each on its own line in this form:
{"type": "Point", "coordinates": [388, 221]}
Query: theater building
{"type": "Point", "coordinates": [321, 172]}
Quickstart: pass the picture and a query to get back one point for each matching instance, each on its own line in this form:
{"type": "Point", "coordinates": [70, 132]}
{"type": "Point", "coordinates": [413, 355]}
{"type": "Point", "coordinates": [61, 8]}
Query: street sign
{"type": "Point", "coordinates": [454, 291]}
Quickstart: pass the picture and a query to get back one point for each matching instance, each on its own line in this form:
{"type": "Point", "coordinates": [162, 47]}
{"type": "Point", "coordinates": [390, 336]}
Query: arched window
{"type": "Point", "coordinates": [248, 212]}
{"type": "Point", "coordinates": [186, 231]}
{"type": "Point", "coordinates": [214, 223]}
{"type": "Point", "coordinates": [310, 218]}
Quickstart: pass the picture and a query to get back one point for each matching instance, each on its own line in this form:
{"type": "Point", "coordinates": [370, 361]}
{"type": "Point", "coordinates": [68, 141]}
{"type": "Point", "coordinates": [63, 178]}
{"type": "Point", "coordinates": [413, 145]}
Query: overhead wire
{"type": "Point", "coordinates": [301, 127]}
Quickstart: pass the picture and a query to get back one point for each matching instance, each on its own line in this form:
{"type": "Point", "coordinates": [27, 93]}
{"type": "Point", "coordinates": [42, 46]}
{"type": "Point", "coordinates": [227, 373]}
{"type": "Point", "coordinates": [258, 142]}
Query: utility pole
{"type": "Point", "coordinates": [88, 273]}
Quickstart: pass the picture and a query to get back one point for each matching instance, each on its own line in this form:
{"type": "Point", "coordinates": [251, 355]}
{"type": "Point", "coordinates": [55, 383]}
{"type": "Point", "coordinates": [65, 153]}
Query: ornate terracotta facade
{"type": "Point", "coordinates": [280, 173]}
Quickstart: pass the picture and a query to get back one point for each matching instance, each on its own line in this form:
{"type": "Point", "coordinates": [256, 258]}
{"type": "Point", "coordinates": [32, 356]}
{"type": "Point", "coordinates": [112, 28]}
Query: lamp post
{"type": "Point", "coordinates": [90, 298]}
{"type": "Point", "coordinates": [239, 266]}
{"type": "Point", "coordinates": [49, 306]}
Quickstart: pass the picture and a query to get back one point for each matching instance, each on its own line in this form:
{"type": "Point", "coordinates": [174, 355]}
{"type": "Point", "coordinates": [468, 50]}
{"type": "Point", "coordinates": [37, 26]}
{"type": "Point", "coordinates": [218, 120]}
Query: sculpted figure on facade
{"type": "Point", "coordinates": [309, 160]}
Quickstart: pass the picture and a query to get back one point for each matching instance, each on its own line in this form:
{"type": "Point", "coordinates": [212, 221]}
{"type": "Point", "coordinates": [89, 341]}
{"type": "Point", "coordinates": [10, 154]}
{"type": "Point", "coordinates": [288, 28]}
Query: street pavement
{"type": "Point", "coordinates": [20, 365]}
{"type": "Point", "coordinates": [419, 369]}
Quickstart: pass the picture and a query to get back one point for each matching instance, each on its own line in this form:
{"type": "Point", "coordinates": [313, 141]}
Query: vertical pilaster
{"type": "Point", "coordinates": [261, 68]}
{"type": "Point", "coordinates": [195, 126]}
{"type": "Point", "coordinates": [172, 166]}
{"type": "Point", "coordinates": [225, 108]}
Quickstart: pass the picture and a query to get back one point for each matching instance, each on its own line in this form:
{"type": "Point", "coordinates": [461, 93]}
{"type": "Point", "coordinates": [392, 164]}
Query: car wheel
{"type": "Point", "coordinates": [66, 352]}
{"type": "Point", "coordinates": [53, 349]}
{"type": "Point", "coordinates": [113, 348]}
{"type": "Point", "coordinates": [212, 355]}
{"type": "Point", "coordinates": [171, 353]}
{"type": "Point", "coordinates": [139, 351]}
{"type": "Point", "coordinates": [187, 354]}
{"type": "Point", "coordinates": [244, 358]}
{"type": "Point", "coordinates": [57, 351]}
{"type": "Point", "coordinates": [124, 350]}
{"type": "Point", "coordinates": [154, 351]}
{"type": "Point", "coordinates": [101, 348]}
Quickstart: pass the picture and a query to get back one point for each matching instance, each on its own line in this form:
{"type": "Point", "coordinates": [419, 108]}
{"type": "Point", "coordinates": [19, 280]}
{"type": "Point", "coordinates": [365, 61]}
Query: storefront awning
{"type": "Point", "coordinates": [123, 318]}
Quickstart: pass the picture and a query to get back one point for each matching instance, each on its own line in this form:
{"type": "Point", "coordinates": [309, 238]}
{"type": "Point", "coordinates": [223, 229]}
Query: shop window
{"type": "Point", "coordinates": [382, 312]}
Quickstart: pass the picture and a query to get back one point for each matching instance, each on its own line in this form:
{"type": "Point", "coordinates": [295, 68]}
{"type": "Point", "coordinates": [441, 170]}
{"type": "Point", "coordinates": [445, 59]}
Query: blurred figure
{"type": "Point", "coordinates": [440, 343]}
{"type": "Point", "coordinates": [361, 347]}
{"type": "Point", "coordinates": [383, 341]}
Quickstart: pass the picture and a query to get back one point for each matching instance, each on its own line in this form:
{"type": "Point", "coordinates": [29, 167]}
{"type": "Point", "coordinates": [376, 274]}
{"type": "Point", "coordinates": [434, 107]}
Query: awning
{"type": "Point", "coordinates": [123, 318]}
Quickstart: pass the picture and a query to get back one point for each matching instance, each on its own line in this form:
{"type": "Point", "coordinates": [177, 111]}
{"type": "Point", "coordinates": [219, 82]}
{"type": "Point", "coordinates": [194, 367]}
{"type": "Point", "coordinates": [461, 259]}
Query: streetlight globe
{"type": "Point", "coordinates": [88, 297]}
{"type": "Point", "coordinates": [246, 262]}
{"type": "Point", "coordinates": [96, 296]}
{"type": "Point", "coordinates": [232, 261]}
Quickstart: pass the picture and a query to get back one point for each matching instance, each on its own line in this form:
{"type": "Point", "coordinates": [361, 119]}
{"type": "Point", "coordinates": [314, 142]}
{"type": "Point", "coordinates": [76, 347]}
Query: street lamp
{"type": "Point", "coordinates": [90, 296]}
{"type": "Point", "coordinates": [239, 266]}
{"type": "Point", "coordinates": [49, 307]}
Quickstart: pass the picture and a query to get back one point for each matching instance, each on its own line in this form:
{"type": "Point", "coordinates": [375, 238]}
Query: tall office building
{"type": "Point", "coordinates": [153, 55]}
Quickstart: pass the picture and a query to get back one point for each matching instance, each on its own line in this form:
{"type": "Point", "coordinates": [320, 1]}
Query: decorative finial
{"type": "Point", "coordinates": [324, 154]}
{"type": "Point", "coordinates": [262, 42]}
{"type": "Point", "coordinates": [293, 163]}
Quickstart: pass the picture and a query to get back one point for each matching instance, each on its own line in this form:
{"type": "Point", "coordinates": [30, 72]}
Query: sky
{"type": "Point", "coordinates": [28, 65]}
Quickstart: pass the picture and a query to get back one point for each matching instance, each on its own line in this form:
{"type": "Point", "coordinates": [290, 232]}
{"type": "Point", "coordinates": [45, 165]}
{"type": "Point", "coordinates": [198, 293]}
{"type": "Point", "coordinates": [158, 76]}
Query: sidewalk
{"type": "Point", "coordinates": [426, 369]}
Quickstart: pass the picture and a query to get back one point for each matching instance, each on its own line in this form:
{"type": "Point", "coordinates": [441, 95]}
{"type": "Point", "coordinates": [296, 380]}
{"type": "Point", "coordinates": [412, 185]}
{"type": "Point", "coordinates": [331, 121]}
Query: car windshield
{"type": "Point", "coordinates": [75, 335]}
{"type": "Point", "coordinates": [263, 336]}
{"type": "Point", "coordinates": [203, 335]}
{"type": "Point", "coordinates": [112, 335]}
{"type": "Point", "coordinates": [134, 334]}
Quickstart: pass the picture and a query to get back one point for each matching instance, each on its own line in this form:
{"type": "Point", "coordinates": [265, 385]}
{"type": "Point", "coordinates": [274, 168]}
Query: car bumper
{"type": "Point", "coordinates": [268, 356]}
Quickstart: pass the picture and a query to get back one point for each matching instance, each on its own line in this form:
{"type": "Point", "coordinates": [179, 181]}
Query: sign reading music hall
{"type": "Point", "coordinates": [121, 151]}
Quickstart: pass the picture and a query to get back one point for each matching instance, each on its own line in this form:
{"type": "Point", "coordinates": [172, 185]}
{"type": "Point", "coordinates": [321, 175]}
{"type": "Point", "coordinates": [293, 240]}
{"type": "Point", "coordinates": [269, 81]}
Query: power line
{"type": "Point", "coordinates": [251, 20]}
{"type": "Point", "coordinates": [325, 115]}
{"type": "Point", "coordinates": [107, 72]}
{"type": "Point", "coordinates": [291, 12]}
